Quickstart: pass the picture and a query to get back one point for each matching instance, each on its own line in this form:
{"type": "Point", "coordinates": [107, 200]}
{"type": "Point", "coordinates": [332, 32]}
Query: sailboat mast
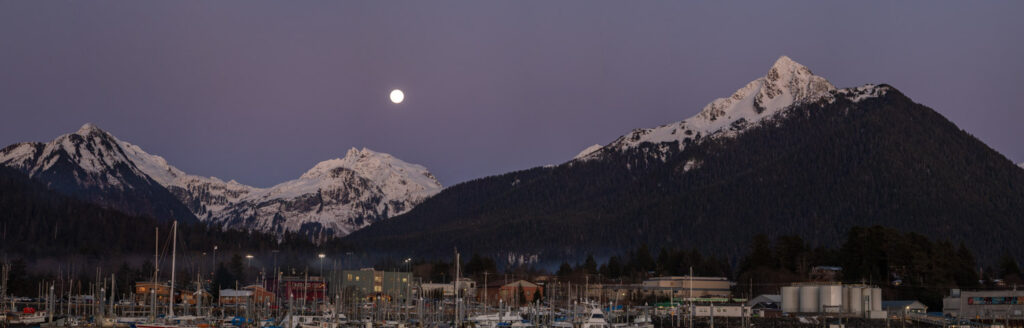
{"type": "Point", "coordinates": [174, 246]}
{"type": "Point", "coordinates": [156, 271]}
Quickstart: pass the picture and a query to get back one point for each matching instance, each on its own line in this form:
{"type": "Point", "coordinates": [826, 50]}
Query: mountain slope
{"type": "Point", "coordinates": [815, 166]}
{"type": "Point", "coordinates": [90, 165]}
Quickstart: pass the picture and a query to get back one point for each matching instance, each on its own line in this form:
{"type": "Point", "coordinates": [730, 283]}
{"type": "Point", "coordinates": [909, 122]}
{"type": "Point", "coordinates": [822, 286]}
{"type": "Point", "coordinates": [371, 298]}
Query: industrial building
{"type": "Point", "coordinates": [817, 298]}
{"type": "Point", "coordinates": [984, 305]}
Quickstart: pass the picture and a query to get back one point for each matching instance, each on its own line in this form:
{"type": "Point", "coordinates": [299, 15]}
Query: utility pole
{"type": "Point", "coordinates": [485, 290]}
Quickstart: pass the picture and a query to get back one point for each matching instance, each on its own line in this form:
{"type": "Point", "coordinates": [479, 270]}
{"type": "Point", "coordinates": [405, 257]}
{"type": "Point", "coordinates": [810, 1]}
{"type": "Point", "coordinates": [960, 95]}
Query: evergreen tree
{"type": "Point", "coordinates": [589, 266]}
{"type": "Point", "coordinates": [564, 271]}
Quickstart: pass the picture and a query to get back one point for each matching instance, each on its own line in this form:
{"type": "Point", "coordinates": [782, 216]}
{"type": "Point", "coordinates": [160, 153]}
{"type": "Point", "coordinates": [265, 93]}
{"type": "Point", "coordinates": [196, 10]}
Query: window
{"type": "Point", "coordinates": [349, 277]}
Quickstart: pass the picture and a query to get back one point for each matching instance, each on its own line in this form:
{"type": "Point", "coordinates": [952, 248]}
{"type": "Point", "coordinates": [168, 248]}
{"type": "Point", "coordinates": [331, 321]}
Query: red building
{"type": "Point", "coordinates": [297, 288]}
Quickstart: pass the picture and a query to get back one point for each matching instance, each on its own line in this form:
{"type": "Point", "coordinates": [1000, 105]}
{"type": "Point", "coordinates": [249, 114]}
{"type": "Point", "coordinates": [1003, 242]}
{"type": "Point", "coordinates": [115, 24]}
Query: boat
{"type": "Point", "coordinates": [29, 317]}
{"type": "Point", "coordinates": [492, 320]}
{"type": "Point", "coordinates": [595, 319]}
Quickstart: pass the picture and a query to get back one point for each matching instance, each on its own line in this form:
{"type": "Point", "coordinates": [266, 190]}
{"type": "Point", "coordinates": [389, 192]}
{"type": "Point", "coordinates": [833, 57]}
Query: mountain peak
{"type": "Point", "coordinates": [786, 63]}
{"type": "Point", "coordinates": [356, 153]}
{"type": "Point", "coordinates": [786, 83]}
{"type": "Point", "coordinates": [87, 129]}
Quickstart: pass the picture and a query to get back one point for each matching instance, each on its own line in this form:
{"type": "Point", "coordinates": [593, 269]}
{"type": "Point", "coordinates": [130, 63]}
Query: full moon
{"type": "Point", "coordinates": [397, 96]}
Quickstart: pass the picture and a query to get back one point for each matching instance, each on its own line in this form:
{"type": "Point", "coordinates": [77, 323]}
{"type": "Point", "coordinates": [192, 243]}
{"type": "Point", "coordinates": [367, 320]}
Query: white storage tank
{"type": "Point", "coordinates": [846, 299]}
{"type": "Point", "coordinates": [876, 299]}
{"type": "Point", "coordinates": [809, 299]}
{"type": "Point", "coordinates": [790, 299]}
{"type": "Point", "coordinates": [830, 298]}
{"type": "Point", "coordinates": [856, 300]}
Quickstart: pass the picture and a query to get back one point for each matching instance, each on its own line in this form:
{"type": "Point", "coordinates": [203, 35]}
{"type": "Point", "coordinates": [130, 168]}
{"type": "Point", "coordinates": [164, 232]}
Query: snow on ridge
{"type": "Point", "coordinates": [786, 84]}
{"type": "Point", "coordinates": [19, 154]}
{"type": "Point", "coordinates": [166, 174]}
{"type": "Point", "coordinates": [857, 94]}
{"type": "Point", "coordinates": [1021, 165]}
{"type": "Point", "coordinates": [587, 151]}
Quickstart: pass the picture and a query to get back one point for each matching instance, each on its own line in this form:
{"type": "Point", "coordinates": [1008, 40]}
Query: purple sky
{"type": "Point", "coordinates": [261, 91]}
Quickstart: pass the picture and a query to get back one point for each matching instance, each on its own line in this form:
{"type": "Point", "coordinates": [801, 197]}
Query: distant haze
{"type": "Point", "coordinates": [260, 91]}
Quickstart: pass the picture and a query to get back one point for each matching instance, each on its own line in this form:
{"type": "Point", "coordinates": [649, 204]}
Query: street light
{"type": "Point", "coordinates": [323, 277]}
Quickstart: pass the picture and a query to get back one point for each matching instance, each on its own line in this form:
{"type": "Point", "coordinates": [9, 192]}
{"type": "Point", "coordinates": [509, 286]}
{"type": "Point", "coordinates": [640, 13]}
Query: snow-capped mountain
{"type": "Point", "coordinates": [91, 165]}
{"type": "Point", "coordinates": [786, 84]}
{"type": "Point", "coordinates": [333, 198]}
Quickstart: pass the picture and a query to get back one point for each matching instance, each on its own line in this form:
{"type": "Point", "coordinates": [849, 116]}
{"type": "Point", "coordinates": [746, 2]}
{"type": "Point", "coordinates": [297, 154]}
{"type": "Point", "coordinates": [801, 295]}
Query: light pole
{"type": "Point", "coordinates": [214, 261]}
{"type": "Point", "coordinates": [323, 277]}
{"type": "Point", "coordinates": [248, 260]}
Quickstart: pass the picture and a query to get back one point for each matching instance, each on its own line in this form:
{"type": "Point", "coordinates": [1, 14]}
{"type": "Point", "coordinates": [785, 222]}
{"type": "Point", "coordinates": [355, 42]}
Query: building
{"type": "Point", "coordinates": [144, 292]}
{"type": "Point", "coordinates": [984, 305]}
{"type": "Point", "coordinates": [234, 296]}
{"type": "Point", "coordinates": [676, 287]}
{"type": "Point", "coordinates": [312, 289]}
{"type": "Point", "coordinates": [904, 307]}
{"type": "Point", "coordinates": [766, 301]}
{"type": "Point", "coordinates": [467, 288]}
{"type": "Point", "coordinates": [260, 294]}
{"type": "Point", "coordinates": [252, 294]}
{"type": "Point", "coordinates": [372, 283]}
{"type": "Point", "coordinates": [190, 298]}
{"type": "Point", "coordinates": [508, 293]}
{"type": "Point", "coordinates": [722, 311]}
{"type": "Point", "coordinates": [826, 273]}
